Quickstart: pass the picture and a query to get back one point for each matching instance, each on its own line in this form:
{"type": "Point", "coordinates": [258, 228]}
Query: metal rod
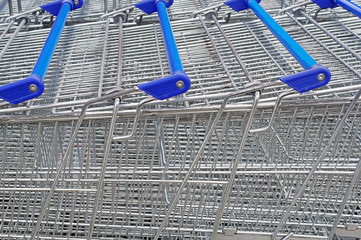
{"type": "Point", "coordinates": [104, 57]}
{"type": "Point", "coordinates": [347, 48]}
{"type": "Point", "coordinates": [324, 46]}
{"type": "Point", "coordinates": [120, 54]}
{"type": "Point", "coordinates": [355, 178]}
{"type": "Point", "coordinates": [277, 104]}
{"type": "Point", "coordinates": [315, 166]}
{"type": "Point", "coordinates": [19, 6]}
{"type": "Point", "coordinates": [198, 156]}
{"type": "Point", "coordinates": [11, 39]}
{"type": "Point", "coordinates": [67, 154]}
{"type": "Point", "coordinates": [108, 146]}
{"type": "Point", "coordinates": [232, 177]}
{"type": "Point", "coordinates": [219, 54]}
{"type": "Point", "coordinates": [6, 29]}
{"type": "Point", "coordinates": [238, 58]}
{"type": "Point", "coordinates": [11, 11]}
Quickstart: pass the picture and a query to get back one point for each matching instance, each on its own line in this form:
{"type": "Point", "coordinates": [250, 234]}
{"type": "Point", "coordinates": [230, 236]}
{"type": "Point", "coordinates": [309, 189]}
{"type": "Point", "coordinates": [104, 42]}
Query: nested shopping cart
{"type": "Point", "coordinates": [240, 155]}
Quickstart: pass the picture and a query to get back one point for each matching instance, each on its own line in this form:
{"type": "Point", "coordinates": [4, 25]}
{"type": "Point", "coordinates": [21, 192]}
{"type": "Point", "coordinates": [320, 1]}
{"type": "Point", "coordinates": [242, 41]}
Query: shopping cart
{"type": "Point", "coordinates": [289, 161]}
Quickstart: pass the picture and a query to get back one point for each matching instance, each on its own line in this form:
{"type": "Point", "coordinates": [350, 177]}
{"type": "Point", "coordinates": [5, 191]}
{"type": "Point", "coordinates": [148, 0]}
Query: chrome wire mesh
{"type": "Point", "coordinates": [144, 173]}
{"type": "Point", "coordinates": [85, 63]}
{"type": "Point", "coordinates": [125, 189]}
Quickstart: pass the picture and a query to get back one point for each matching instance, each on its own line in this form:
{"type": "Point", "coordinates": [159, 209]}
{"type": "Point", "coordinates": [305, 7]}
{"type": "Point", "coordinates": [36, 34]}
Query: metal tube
{"type": "Point", "coordinates": [232, 177]}
{"type": "Point", "coordinates": [229, 43]}
{"type": "Point", "coordinates": [199, 155]}
{"type": "Point", "coordinates": [169, 41]}
{"type": "Point", "coordinates": [355, 54]}
{"type": "Point", "coordinates": [11, 39]}
{"type": "Point", "coordinates": [7, 29]}
{"type": "Point", "coordinates": [219, 54]}
{"type": "Point", "coordinates": [19, 6]}
{"type": "Point", "coordinates": [315, 166]}
{"type": "Point", "coordinates": [120, 54]}
{"type": "Point", "coordinates": [11, 12]}
{"type": "Point", "coordinates": [288, 42]}
{"type": "Point", "coordinates": [108, 146]}
{"type": "Point", "coordinates": [67, 154]}
{"type": "Point", "coordinates": [341, 208]}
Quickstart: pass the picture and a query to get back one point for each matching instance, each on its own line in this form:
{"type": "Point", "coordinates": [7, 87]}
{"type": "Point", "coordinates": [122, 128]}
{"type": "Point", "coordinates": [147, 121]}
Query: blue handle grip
{"type": "Point", "coordinates": [178, 82]}
{"type": "Point", "coordinates": [314, 75]}
{"type": "Point", "coordinates": [350, 6]}
{"type": "Point", "coordinates": [169, 41]}
{"type": "Point", "coordinates": [33, 85]}
{"type": "Point", "coordinates": [291, 45]}
{"type": "Point", "coordinates": [43, 62]}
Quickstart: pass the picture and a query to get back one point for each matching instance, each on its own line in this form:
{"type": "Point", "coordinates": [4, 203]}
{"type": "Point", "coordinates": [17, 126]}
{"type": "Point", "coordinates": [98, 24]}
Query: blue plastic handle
{"type": "Point", "coordinates": [33, 85]}
{"type": "Point", "coordinates": [346, 4]}
{"type": "Point", "coordinates": [169, 41]}
{"type": "Point", "coordinates": [178, 82]}
{"type": "Point", "coordinates": [314, 75]}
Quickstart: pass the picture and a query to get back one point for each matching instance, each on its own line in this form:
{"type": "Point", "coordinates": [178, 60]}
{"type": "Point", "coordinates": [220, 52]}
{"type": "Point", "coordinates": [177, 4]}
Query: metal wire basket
{"type": "Point", "coordinates": [239, 156]}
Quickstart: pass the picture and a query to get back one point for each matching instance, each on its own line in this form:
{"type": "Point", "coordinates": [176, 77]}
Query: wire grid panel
{"type": "Point", "coordinates": [89, 8]}
{"type": "Point", "coordinates": [85, 64]}
{"type": "Point", "coordinates": [95, 10]}
{"type": "Point", "coordinates": [267, 60]}
{"type": "Point", "coordinates": [80, 47]}
{"type": "Point", "coordinates": [143, 174]}
{"type": "Point", "coordinates": [271, 6]}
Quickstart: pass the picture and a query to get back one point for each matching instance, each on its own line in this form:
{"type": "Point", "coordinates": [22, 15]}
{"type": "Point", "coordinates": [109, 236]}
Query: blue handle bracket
{"type": "Point", "coordinates": [314, 75]}
{"type": "Point", "coordinates": [54, 7]}
{"type": "Point", "coordinates": [178, 82]}
{"type": "Point", "coordinates": [346, 4]}
{"type": "Point", "coordinates": [33, 85]}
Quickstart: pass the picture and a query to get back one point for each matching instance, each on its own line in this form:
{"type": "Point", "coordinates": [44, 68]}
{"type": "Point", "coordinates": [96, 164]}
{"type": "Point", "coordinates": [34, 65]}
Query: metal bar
{"type": "Point", "coordinates": [19, 6]}
{"type": "Point", "coordinates": [315, 166]}
{"type": "Point", "coordinates": [219, 54]}
{"type": "Point", "coordinates": [108, 146]}
{"type": "Point", "coordinates": [120, 54]}
{"type": "Point", "coordinates": [198, 156]}
{"type": "Point", "coordinates": [355, 178]}
{"type": "Point", "coordinates": [324, 46]}
{"type": "Point", "coordinates": [11, 11]}
{"type": "Point", "coordinates": [277, 104]}
{"type": "Point", "coordinates": [67, 154]}
{"type": "Point", "coordinates": [239, 60]}
{"type": "Point", "coordinates": [232, 177]}
{"type": "Point", "coordinates": [104, 55]}
{"type": "Point", "coordinates": [347, 48]}
{"type": "Point", "coordinates": [7, 29]}
{"type": "Point", "coordinates": [11, 39]}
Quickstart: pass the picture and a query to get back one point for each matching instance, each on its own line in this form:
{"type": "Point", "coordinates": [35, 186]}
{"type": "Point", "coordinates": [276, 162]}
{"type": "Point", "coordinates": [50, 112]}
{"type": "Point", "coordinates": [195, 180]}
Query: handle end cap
{"type": "Point", "coordinates": [149, 6]}
{"type": "Point", "coordinates": [325, 3]}
{"type": "Point", "coordinates": [307, 80]}
{"type": "Point", "coordinates": [167, 87]}
{"type": "Point", "coordinates": [54, 7]}
{"type": "Point", "coordinates": [238, 5]}
{"type": "Point", "coordinates": [23, 90]}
